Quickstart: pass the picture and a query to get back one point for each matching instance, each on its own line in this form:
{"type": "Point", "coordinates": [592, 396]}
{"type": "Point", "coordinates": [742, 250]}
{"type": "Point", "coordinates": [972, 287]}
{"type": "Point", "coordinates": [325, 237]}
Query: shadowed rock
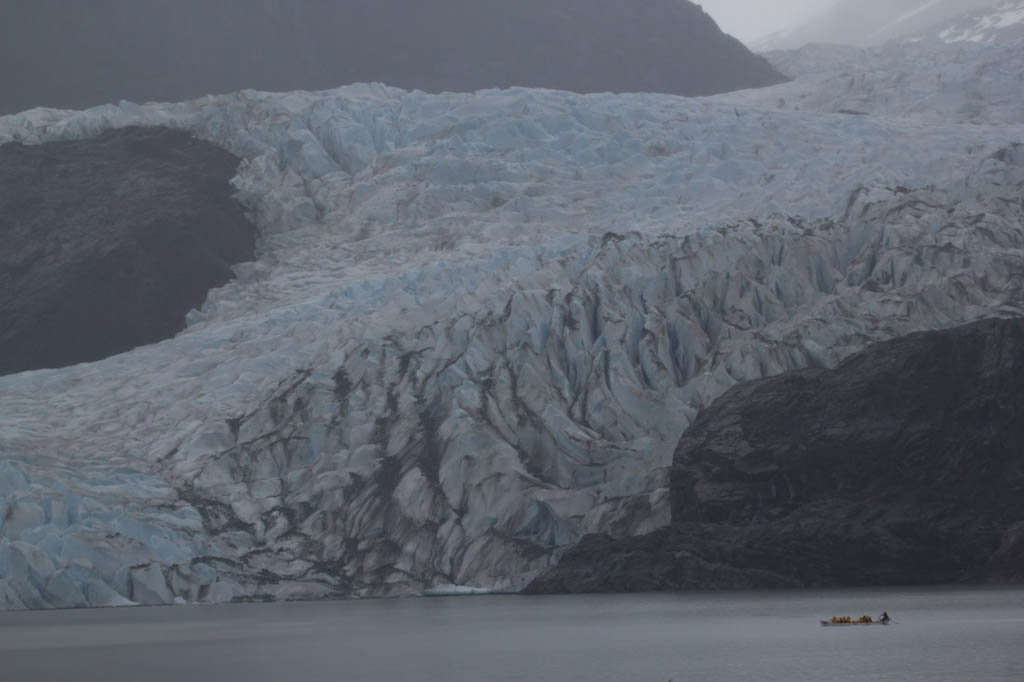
{"type": "Point", "coordinates": [75, 55]}
{"type": "Point", "coordinates": [903, 465]}
{"type": "Point", "coordinates": [109, 242]}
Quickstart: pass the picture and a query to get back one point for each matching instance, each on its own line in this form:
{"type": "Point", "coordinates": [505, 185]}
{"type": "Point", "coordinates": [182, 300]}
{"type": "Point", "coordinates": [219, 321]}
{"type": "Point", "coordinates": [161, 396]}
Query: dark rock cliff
{"type": "Point", "coordinates": [60, 54]}
{"type": "Point", "coordinates": [109, 242]}
{"type": "Point", "coordinates": [903, 465]}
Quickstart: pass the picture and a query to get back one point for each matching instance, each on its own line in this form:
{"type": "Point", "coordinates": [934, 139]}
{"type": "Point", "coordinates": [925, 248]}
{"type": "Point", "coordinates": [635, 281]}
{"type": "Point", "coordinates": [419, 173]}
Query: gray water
{"type": "Point", "coordinates": [941, 635]}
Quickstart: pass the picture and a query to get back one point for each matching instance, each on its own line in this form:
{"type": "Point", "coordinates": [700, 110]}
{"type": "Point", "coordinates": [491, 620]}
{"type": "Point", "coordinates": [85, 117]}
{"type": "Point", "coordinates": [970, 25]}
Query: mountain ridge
{"type": "Point", "coordinates": [869, 22]}
{"type": "Point", "coordinates": [999, 23]}
{"type": "Point", "coordinates": [57, 55]}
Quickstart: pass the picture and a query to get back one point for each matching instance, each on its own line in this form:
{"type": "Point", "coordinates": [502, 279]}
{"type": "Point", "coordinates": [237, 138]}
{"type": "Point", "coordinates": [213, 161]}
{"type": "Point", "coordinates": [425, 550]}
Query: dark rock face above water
{"type": "Point", "coordinates": [903, 465]}
{"type": "Point", "coordinates": [60, 54]}
{"type": "Point", "coordinates": [109, 242]}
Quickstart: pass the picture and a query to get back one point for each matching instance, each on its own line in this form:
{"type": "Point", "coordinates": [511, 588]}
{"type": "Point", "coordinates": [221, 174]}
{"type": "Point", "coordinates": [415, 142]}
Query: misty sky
{"type": "Point", "coordinates": [748, 19]}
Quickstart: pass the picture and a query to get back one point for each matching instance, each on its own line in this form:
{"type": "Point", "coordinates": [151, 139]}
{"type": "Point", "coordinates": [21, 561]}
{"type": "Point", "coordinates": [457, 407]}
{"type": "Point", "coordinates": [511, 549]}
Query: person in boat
{"type": "Point", "coordinates": [885, 617]}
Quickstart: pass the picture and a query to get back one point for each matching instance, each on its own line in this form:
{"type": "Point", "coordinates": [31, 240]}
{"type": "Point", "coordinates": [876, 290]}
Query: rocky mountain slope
{"type": "Point", "coordinates": [57, 54]}
{"type": "Point", "coordinates": [870, 22]}
{"type": "Point", "coordinates": [478, 324]}
{"type": "Point", "coordinates": [1002, 22]}
{"type": "Point", "coordinates": [109, 242]}
{"type": "Point", "coordinates": [904, 465]}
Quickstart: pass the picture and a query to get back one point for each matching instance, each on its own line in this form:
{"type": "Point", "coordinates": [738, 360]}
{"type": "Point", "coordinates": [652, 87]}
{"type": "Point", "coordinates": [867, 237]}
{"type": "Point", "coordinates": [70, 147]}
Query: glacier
{"type": "Point", "coordinates": [479, 323]}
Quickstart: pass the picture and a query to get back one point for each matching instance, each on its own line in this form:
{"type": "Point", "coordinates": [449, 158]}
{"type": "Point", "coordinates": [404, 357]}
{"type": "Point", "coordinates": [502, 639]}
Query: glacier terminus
{"type": "Point", "coordinates": [478, 324]}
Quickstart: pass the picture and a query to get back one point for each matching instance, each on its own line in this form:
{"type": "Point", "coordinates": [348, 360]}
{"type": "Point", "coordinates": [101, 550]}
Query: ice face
{"type": "Point", "coordinates": [479, 324]}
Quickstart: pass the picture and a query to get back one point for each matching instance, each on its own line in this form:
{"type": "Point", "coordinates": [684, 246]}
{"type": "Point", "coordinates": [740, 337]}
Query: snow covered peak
{"type": "Point", "coordinates": [869, 22]}
{"type": "Point", "coordinates": [1003, 22]}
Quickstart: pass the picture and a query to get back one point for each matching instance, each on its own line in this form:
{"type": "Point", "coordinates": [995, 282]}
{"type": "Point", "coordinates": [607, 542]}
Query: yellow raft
{"type": "Point", "coordinates": [846, 620]}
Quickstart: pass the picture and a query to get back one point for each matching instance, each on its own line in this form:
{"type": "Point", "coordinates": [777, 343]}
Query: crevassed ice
{"type": "Point", "coordinates": [479, 323]}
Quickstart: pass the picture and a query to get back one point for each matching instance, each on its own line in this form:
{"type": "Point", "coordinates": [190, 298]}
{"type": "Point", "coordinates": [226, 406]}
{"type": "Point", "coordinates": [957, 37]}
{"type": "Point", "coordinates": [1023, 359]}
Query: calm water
{"type": "Point", "coordinates": [940, 635]}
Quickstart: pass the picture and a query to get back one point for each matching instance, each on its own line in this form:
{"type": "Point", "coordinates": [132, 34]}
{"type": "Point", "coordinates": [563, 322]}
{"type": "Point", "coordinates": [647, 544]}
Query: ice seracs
{"type": "Point", "coordinates": [926, 81]}
{"type": "Point", "coordinates": [479, 323]}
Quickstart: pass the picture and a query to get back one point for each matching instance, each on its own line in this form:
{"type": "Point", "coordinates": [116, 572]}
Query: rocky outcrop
{"type": "Point", "coordinates": [903, 465]}
{"type": "Point", "coordinates": [109, 242]}
{"type": "Point", "coordinates": [63, 55]}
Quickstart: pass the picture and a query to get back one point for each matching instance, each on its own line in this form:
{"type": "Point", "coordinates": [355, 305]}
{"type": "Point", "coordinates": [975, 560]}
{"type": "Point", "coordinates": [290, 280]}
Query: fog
{"type": "Point", "coordinates": [750, 19]}
{"type": "Point", "coordinates": [850, 22]}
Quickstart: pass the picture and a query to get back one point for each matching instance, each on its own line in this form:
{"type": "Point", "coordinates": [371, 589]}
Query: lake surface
{"type": "Point", "coordinates": [940, 635]}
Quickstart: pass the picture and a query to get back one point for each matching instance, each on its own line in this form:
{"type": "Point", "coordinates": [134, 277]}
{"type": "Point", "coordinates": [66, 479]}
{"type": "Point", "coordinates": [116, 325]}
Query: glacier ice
{"type": "Point", "coordinates": [929, 82]}
{"type": "Point", "coordinates": [479, 323]}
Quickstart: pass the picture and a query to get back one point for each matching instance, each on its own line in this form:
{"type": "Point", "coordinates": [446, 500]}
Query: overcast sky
{"type": "Point", "coordinates": [748, 19]}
